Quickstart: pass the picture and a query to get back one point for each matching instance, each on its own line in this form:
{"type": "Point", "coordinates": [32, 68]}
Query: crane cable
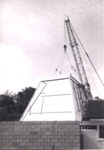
{"type": "Point", "coordinates": [72, 67]}
{"type": "Point", "coordinates": [85, 61]}
{"type": "Point", "coordinates": [65, 47]}
{"type": "Point", "coordinates": [88, 69]}
{"type": "Point", "coordinates": [60, 62]}
{"type": "Point", "coordinates": [91, 76]}
{"type": "Point", "coordinates": [88, 56]}
{"type": "Point", "coordinates": [65, 36]}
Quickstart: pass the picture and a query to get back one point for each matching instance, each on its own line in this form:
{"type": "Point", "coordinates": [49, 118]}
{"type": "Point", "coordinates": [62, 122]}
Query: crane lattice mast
{"type": "Point", "coordinates": [77, 57]}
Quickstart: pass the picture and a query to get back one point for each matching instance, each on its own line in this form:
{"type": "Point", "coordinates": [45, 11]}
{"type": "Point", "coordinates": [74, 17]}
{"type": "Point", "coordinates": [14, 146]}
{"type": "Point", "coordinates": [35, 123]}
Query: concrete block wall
{"type": "Point", "coordinates": [55, 135]}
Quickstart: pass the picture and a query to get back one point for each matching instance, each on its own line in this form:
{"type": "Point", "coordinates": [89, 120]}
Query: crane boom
{"type": "Point", "coordinates": [77, 56]}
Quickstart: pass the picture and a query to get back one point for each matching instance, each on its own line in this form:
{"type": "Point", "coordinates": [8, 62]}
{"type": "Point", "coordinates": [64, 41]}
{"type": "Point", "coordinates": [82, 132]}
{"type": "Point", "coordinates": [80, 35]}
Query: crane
{"type": "Point", "coordinates": [77, 57]}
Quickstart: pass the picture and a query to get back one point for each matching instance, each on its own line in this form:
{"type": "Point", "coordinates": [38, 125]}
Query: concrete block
{"type": "Point", "coordinates": [64, 135]}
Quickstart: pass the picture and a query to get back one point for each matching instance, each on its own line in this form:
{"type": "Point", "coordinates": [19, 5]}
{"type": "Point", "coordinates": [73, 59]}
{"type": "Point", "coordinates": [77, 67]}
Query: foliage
{"type": "Point", "coordinates": [5, 100]}
{"type": "Point", "coordinates": [12, 106]}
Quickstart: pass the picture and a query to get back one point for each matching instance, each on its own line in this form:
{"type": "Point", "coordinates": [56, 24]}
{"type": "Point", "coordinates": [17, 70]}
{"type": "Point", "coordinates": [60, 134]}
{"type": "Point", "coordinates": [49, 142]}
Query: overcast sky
{"type": "Point", "coordinates": [32, 36]}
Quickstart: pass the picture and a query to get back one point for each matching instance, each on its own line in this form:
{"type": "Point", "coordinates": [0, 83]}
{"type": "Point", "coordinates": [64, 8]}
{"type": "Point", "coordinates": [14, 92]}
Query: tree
{"type": "Point", "coordinates": [23, 98]}
{"type": "Point", "coordinates": [13, 106]}
{"type": "Point", "coordinates": [6, 100]}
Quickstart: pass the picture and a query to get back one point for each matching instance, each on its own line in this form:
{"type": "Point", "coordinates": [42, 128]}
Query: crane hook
{"type": "Point", "coordinates": [65, 48]}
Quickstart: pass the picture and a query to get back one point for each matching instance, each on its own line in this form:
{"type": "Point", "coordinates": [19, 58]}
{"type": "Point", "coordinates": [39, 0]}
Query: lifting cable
{"type": "Point", "coordinates": [65, 49]}
{"type": "Point", "coordinates": [65, 36]}
{"type": "Point", "coordinates": [91, 75]}
{"type": "Point", "coordinates": [88, 57]}
{"type": "Point", "coordinates": [60, 61]}
{"type": "Point", "coordinates": [95, 69]}
{"type": "Point", "coordinates": [72, 67]}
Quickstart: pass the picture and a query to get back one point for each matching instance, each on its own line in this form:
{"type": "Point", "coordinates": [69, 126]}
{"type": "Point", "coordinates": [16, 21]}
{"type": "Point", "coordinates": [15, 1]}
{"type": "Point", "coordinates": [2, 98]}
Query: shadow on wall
{"type": "Point", "coordinates": [90, 140]}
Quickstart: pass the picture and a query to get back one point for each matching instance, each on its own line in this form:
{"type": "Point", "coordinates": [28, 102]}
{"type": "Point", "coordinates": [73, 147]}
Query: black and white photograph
{"type": "Point", "coordinates": [51, 74]}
